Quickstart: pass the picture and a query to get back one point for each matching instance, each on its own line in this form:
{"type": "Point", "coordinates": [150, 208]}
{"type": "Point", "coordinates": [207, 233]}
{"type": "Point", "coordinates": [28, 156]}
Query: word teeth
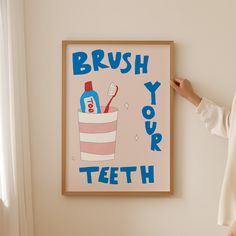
{"type": "Point", "coordinates": [114, 174]}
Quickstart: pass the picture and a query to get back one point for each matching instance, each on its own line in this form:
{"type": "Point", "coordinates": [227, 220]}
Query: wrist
{"type": "Point", "coordinates": [194, 99]}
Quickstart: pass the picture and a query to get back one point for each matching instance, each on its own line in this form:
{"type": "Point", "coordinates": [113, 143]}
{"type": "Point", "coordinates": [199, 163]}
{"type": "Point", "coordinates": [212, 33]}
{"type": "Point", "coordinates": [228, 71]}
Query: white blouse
{"type": "Point", "coordinates": [222, 122]}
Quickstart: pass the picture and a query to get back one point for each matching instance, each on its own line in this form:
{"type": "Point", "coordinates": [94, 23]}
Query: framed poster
{"type": "Point", "coordinates": [117, 117]}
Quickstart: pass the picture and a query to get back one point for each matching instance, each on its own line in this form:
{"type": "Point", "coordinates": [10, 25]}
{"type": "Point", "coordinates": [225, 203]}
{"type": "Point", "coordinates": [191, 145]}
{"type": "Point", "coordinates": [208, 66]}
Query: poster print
{"type": "Point", "coordinates": [117, 113]}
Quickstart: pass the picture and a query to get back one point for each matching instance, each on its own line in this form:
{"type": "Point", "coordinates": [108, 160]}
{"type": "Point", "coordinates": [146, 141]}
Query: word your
{"type": "Point", "coordinates": [81, 66]}
{"type": "Point", "coordinates": [149, 113]}
{"type": "Point", "coordinates": [110, 175]}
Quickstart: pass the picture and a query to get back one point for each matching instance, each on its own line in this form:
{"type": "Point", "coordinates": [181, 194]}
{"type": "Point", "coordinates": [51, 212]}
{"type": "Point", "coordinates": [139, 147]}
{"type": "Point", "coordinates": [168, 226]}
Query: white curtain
{"type": "Point", "coordinates": [16, 218]}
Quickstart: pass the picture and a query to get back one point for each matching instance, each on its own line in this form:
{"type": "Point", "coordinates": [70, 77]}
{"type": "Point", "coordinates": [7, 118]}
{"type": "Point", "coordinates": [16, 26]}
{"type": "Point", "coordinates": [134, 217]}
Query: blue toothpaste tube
{"type": "Point", "coordinates": [89, 101]}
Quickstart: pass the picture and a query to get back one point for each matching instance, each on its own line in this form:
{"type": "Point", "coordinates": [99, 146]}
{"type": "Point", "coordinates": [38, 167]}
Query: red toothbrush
{"type": "Point", "coordinates": [113, 89]}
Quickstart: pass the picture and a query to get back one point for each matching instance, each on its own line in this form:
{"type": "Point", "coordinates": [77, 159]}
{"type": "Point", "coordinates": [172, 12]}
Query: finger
{"type": "Point", "coordinates": [179, 80]}
{"type": "Point", "coordinates": [174, 85]}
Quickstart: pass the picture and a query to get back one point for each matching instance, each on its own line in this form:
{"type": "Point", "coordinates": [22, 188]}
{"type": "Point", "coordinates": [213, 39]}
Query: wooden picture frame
{"type": "Point", "coordinates": [73, 185]}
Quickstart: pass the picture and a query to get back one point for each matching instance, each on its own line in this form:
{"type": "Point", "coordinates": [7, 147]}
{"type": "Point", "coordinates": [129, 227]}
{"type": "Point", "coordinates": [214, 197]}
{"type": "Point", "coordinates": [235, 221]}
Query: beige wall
{"type": "Point", "coordinates": [205, 36]}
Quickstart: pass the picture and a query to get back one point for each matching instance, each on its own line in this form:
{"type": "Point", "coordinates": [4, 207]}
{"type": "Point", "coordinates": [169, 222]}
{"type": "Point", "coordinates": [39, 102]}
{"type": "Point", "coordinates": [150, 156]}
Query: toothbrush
{"type": "Point", "coordinates": [113, 89]}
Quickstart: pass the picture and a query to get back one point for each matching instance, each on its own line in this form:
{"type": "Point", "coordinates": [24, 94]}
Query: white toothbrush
{"type": "Point", "coordinates": [113, 89]}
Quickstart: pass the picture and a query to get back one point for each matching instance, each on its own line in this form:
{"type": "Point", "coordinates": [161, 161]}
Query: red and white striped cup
{"type": "Point", "coordinates": [97, 133]}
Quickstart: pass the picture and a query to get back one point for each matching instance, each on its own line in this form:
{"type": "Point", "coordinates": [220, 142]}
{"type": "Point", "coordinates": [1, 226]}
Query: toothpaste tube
{"type": "Point", "coordinates": [89, 101]}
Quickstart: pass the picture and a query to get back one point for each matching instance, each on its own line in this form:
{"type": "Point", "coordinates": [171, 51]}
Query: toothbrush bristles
{"type": "Point", "coordinates": [112, 89]}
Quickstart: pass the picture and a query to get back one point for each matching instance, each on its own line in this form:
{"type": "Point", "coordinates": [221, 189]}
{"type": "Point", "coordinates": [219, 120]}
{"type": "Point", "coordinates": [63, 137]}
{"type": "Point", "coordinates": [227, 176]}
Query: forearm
{"type": "Point", "coordinates": [216, 118]}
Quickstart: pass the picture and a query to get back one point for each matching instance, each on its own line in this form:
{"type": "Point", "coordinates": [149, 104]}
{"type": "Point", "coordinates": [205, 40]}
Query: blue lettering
{"type": "Point", "coordinates": [147, 174]}
{"type": "Point", "coordinates": [114, 62]}
{"type": "Point", "coordinates": [109, 175]}
{"type": "Point", "coordinates": [102, 176]}
{"type": "Point", "coordinates": [114, 175]}
{"type": "Point", "coordinates": [156, 138]}
{"type": "Point", "coordinates": [128, 170]}
{"type": "Point", "coordinates": [79, 67]}
{"type": "Point", "coordinates": [89, 171]}
{"type": "Point", "coordinates": [139, 64]}
{"type": "Point", "coordinates": [128, 65]}
{"type": "Point", "coordinates": [148, 112]}
{"type": "Point", "coordinates": [97, 56]}
{"type": "Point", "coordinates": [150, 130]}
{"type": "Point", "coordinates": [152, 89]}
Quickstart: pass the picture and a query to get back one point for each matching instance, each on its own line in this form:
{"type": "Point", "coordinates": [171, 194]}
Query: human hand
{"type": "Point", "coordinates": [184, 88]}
{"type": "Point", "coordinates": [232, 230]}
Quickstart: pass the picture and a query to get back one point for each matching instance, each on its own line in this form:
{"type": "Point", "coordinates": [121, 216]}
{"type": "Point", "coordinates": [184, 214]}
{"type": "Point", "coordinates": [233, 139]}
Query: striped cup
{"type": "Point", "coordinates": [97, 133]}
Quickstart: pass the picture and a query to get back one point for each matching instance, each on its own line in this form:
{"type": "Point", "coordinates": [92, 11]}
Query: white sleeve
{"type": "Point", "coordinates": [215, 117]}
